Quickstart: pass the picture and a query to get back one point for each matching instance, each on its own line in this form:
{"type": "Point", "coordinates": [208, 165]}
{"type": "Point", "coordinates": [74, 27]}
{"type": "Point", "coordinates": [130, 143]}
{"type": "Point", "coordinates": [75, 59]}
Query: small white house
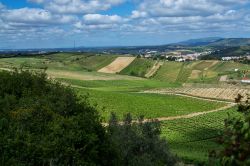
{"type": "Point", "coordinates": [245, 80]}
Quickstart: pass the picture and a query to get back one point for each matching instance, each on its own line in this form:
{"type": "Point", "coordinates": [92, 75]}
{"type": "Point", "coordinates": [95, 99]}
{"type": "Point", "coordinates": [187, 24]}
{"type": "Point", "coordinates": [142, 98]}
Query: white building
{"type": "Point", "coordinates": [245, 80]}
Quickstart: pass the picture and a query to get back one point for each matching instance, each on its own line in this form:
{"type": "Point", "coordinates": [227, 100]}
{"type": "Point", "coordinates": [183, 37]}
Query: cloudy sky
{"type": "Point", "coordinates": [57, 23]}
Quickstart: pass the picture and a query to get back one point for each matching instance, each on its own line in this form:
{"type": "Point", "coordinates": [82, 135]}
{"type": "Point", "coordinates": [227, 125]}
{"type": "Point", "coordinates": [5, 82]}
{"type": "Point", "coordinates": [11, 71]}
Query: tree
{"type": "Point", "coordinates": [138, 144]}
{"type": "Point", "coordinates": [235, 139]}
{"type": "Point", "coordinates": [44, 123]}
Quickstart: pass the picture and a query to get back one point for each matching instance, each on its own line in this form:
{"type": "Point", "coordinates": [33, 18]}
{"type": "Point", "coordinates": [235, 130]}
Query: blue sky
{"type": "Point", "coordinates": [57, 23]}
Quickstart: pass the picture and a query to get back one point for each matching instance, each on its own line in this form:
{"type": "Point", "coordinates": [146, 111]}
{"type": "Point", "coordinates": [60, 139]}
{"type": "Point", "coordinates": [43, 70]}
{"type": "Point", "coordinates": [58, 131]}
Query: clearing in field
{"type": "Point", "coordinates": [117, 65]}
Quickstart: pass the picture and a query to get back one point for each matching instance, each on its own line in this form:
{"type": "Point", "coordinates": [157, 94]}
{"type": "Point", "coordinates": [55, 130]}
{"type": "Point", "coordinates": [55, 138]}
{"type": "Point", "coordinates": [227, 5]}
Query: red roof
{"type": "Point", "coordinates": [245, 78]}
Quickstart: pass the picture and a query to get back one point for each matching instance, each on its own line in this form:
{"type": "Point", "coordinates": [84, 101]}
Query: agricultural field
{"type": "Point", "coordinates": [123, 93]}
{"type": "Point", "coordinates": [139, 67]}
{"type": "Point", "coordinates": [193, 138]}
{"type": "Point", "coordinates": [117, 65]}
{"type": "Point", "coordinates": [149, 105]}
{"type": "Point", "coordinates": [168, 72]}
{"type": "Point", "coordinates": [227, 94]}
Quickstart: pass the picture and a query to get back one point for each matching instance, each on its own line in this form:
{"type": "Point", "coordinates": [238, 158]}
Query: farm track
{"type": "Point", "coordinates": [194, 114]}
{"type": "Point", "coordinates": [154, 69]}
{"type": "Point", "coordinates": [188, 116]}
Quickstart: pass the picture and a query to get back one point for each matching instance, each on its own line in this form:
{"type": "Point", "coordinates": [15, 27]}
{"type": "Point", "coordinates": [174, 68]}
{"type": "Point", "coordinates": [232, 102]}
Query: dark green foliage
{"type": "Point", "coordinates": [44, 123]}
{"type": "Point", "coordinates": [235, 139]}
{"type": "Point", "coordinates": [138, 144]}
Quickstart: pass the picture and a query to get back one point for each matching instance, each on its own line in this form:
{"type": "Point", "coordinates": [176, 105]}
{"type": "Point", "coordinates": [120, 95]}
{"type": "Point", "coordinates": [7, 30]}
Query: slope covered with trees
{"type": "Point", "coordinates": [43, 123]}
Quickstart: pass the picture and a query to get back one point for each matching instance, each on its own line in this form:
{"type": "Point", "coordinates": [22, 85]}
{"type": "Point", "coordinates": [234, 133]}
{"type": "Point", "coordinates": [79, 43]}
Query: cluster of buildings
{"type": "Point", "coordinates": [174, 56]}
{"type": "Point", "coordinates": [235, 58]}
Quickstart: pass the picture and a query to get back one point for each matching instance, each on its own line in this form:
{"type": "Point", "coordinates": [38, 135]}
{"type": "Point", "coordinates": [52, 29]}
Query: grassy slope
{"type": "Point", "coordinates": [60, 61]}
{"type": "Point", "coordinates": [139, 67]}
{"type": "Point", "coordinates": [193, 138]}
{"type": "Point", "coordinates": [96, 62]}
{"type": "Point", "coordinates": [120, 85]}
{"type": "Point", "coordinates": [168, 72]}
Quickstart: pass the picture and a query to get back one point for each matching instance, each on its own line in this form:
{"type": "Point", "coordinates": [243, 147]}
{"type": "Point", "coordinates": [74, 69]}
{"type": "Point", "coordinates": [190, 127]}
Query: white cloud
{"type": "Point", "coordinates": [78, 6]}
{"type": "Point", "coordinates": [98, 22]}
{"type": "Point", "coordinates": [138, 14]}
{"type": "Point", "coordinates": [35, 16]}
{"type": "Point", "coordinates": [101, 19]}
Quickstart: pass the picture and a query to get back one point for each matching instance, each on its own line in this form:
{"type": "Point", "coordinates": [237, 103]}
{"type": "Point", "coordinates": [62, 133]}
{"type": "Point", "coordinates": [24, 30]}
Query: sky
{"type": "Point", "coordinates": [90, 23]}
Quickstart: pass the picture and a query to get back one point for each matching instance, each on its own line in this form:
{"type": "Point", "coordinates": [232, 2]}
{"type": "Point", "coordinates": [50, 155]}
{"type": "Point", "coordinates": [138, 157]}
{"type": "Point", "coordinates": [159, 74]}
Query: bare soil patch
{"type": "Point", "coordinates": [117, 65]}
{"type": "Point", "coordinates": [195, 74]}
{"type": "Point", "coordinates": [154, 69]}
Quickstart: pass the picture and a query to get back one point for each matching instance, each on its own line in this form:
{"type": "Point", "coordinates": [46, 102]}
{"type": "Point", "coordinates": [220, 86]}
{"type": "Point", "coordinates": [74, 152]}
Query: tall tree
{"type": "Point", "coordinates": [44, 123]}
{"type": "Point", "coordinates": [139, 144]}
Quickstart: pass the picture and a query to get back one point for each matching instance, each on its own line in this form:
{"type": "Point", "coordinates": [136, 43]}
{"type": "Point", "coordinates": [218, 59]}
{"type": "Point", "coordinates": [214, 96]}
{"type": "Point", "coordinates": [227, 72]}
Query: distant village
{"type": "Point", "coordinates": [179, 56]}
{"type": "Point", "coordinates": [186, 55]}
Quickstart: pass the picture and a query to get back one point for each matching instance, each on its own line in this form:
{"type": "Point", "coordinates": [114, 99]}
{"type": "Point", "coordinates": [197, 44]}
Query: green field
{"type": "Point", "coordinates": [149, 105]}
{"type": "Point", "coordinates": [190, 139]}
{"type": "Point", "coordinates": [168, 72]}
{"type": "Point", "coordinates": [121, 97]}
{"type": "Point", "coordinates": [119, 85]}
{"type": "Point", "coordinates": [61, 61]}
{"type": "Point", "coordinates": [139, 67]}
{"type": "Point", "coordinates": [193, 138]}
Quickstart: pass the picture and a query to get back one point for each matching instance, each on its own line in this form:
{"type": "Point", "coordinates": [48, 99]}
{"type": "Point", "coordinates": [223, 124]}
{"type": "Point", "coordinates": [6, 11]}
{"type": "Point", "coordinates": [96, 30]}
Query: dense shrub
{"type": "Point", "coordinates": [44, 123]}
{"type": "Point", "coordinates": [139, 144]}
{"type": "Point", "coordinates": [235, 139]}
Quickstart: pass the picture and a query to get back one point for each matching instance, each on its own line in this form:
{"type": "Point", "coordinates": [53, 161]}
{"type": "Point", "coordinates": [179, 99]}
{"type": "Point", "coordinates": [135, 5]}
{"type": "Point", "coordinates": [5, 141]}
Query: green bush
{"type": "Point", "coordinates": [138, 144]}
{"type": "Point", "coordinates": [235, 139]}
{"type": "Point", "coordinates": [44, 123]}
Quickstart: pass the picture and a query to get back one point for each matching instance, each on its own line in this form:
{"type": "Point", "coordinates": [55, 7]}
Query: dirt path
{"type": "Point", "coordinates": [194, 114]}
{"type": "Point", "coordinates": [117, 65]}
{"type": "Point", "coordinates": [154, 69]}
{"type": "Point", "coordinates": [188, 116]}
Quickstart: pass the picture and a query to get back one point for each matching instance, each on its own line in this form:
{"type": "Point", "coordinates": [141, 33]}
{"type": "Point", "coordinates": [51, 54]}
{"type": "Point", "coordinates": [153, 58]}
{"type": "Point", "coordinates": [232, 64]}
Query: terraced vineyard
{"type": "Point", "coordinates": [213, 93]}
{"type": "Point", "coordinates": [168, 72]}
{"type": "Point", "coordinates": [139, 67]}
{"type": "Point", "coordinates": [193, 138]}
{"type": "Point", "coordinates": [149, 105]}
{"type": "Point", "coordinates": [184, 73]}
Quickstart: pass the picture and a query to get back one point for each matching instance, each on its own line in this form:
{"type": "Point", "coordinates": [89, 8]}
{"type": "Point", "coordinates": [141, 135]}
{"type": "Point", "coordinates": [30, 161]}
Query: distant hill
{"type": "Point", "coordinates": [231, 42]}
{"type": "Point", "coordinates": [216, 42]}
{"type": "Point", "coordinates": [199, 42]}
{"type": "Point", "coordinates": [231, 51]}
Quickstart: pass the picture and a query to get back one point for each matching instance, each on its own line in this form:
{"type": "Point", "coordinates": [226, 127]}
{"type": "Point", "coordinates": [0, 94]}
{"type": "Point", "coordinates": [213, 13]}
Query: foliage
{"type": "Point", "coordinates": [44, 123]}
{"type": "Point", "coordinates": [139, 144]}
{"type": "Point", "coordinates": [235, 139]}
